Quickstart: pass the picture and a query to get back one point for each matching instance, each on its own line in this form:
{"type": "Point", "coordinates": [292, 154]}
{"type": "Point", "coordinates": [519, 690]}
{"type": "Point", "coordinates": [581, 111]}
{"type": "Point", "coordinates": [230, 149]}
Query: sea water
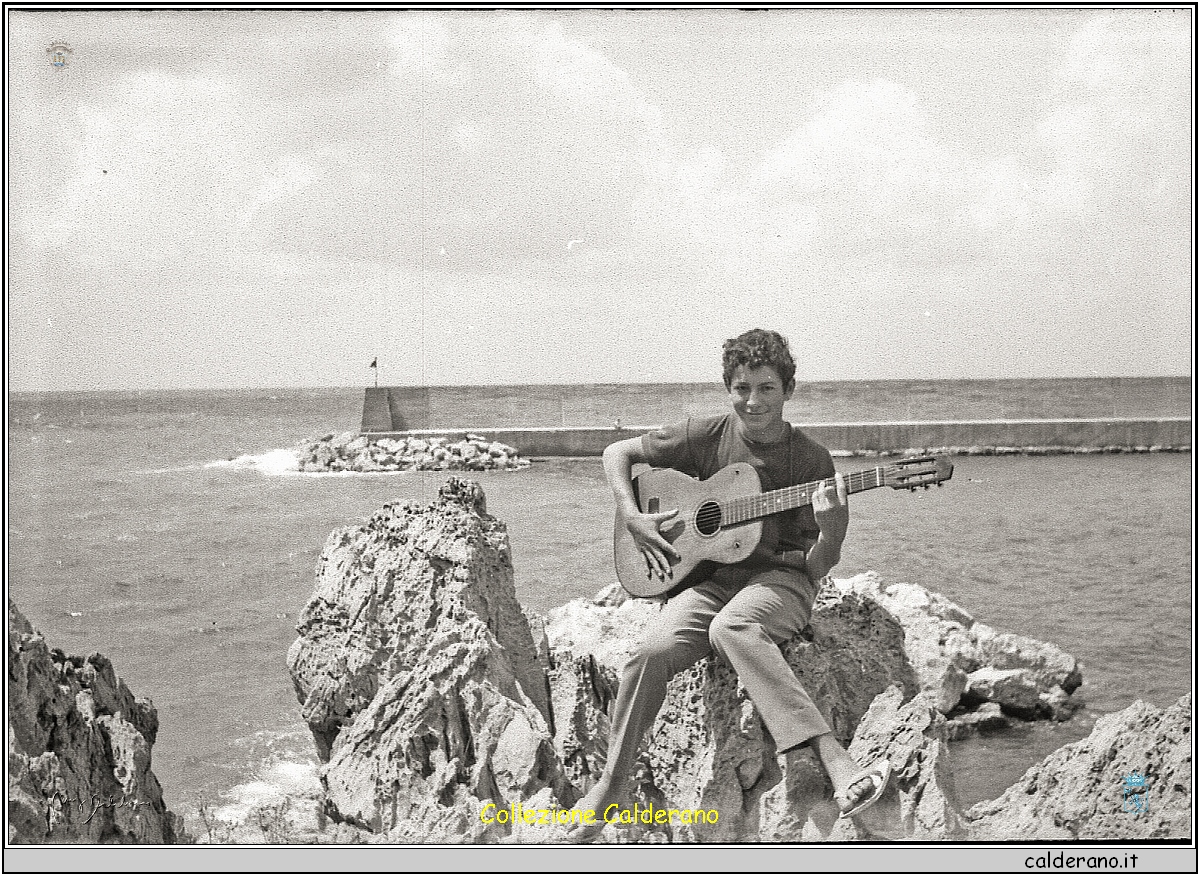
{"type": "Point", "coordinates": [165, 531]}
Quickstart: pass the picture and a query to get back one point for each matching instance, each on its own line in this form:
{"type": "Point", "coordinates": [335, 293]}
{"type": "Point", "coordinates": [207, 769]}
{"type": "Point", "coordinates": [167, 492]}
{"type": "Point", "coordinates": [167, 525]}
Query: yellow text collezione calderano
{"type": "Point", "coordinates": [614, 814]}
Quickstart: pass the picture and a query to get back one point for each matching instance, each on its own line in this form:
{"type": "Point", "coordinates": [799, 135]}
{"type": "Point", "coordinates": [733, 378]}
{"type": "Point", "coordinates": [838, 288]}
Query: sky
{"type": "Point", "coordinates": [275, 198]}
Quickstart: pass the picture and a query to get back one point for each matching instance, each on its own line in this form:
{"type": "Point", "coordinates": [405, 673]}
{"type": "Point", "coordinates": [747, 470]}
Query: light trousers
{"type": "Point", "coordinates": [743, 614]}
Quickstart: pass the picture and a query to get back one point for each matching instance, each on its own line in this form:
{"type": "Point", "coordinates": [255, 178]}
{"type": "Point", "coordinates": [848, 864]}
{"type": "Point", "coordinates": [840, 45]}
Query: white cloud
{"type": "Point", "coordinates": [450, 178]}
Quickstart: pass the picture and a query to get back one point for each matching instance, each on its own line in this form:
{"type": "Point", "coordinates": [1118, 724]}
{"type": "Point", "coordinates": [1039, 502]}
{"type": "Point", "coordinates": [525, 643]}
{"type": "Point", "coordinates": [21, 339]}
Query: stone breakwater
{"type": "Point", "coordinates": [431, 695]}
{"type": "Point", "coordinates": [1001, 450]}
{"type": "Point", "coordinates": [350, 451]}
{"type": "Point", "coordinates": [78, 750]}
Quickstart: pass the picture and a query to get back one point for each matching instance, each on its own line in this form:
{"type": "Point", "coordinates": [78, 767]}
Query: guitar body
{"type": "Point", "coordinates": [720, 520]}
{"type": "Point", "coordinates": [697, 532]}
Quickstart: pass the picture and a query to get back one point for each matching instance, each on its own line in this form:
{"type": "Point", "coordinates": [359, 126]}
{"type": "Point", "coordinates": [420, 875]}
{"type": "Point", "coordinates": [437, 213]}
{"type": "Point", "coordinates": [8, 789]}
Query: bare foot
{"type": "Point", "coordinates": [864, 788]}
{"type": "Point", "coordinates": [603, 795]}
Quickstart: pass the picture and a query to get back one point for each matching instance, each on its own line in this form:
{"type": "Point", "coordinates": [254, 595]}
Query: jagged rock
{"type": "Point", "coordinates": [612, 595]}
{"type": "Point", "coordinates": [1078, 792]}
{"type": "Point", "coordinates": [920, 803]}
{"type": "Point", "coordinates": [1014, 690]}
{"type": "Point", "coordinates": [78, 750]}
{"type": "Point", "coordinates": [607, 627]}
{"type": "Point", "coordinates": [708, 748]}
{"type": "Point", "coordinates": [1047, 664]}
{"type": "Point", "coordinates": [430, 696]}
{"type": "Point", "coordinates": [582, 692]}
{"type": "Point", "coordinates": [1057, 704]}
{"type": "Point", "coordinates": [928, 619]}
{"type": "Point", "coordinates": [419, 677]}
{"type": "Point", "coordinates": [987, 717]}
{"type": "Point", "coordinates": [947, 647]}
{"type": "Point", "coordinates": [960, 646]}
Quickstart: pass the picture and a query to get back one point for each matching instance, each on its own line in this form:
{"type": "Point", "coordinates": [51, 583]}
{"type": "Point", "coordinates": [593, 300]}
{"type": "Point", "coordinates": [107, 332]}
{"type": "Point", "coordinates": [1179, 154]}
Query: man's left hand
{"type": "Point", "coordinates": [831, 509]}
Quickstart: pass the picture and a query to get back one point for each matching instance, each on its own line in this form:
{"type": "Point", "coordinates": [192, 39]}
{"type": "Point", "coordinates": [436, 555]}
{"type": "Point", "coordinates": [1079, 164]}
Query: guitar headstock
{"type": "Point", "coordinates": [918, 471]}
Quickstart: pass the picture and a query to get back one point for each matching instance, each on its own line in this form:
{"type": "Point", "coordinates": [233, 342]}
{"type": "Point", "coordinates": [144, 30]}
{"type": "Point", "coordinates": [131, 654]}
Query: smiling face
{"type": "Point", "coordinates": [758, 396]}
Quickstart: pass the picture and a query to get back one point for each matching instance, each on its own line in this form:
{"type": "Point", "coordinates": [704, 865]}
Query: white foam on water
{"type": "Point", "coordinates": [276, 782]}
{"type": "Point", "coordinates": [283, 461]}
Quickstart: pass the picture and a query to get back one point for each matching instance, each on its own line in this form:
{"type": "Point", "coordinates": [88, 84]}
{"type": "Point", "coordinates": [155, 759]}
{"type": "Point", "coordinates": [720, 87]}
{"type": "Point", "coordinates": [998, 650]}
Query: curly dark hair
{"type": "Point", "coordinates": [756, 348]}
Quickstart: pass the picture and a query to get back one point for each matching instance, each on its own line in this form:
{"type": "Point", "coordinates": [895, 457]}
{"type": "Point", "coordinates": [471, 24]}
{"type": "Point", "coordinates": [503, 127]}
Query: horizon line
{"type": "Point", "coordinates": [9, 391]}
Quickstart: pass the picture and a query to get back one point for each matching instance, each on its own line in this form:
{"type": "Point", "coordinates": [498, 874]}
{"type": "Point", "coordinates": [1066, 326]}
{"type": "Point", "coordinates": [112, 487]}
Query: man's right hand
{"type": "Point", "coordinates": [647, 534]}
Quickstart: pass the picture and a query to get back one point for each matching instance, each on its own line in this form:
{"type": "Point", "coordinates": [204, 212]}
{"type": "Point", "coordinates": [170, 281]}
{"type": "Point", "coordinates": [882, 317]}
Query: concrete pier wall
{"type": "Point", "coordinates": [1127, 433]}
{"type": "Point", "coordinates": [395, 408]}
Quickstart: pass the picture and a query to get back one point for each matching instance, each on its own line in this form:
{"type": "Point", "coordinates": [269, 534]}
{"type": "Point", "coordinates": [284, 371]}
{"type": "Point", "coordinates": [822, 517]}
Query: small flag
{"type": "Point", "coordinates": [374, 363]}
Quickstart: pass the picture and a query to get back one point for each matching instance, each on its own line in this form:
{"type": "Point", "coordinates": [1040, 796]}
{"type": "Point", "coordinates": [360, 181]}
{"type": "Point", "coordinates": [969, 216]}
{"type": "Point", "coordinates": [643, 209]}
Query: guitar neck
{"type": "Point", "coordinates": [746, 508]}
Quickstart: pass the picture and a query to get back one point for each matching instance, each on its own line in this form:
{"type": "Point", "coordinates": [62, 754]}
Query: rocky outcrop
{"type": "Point", "coordinates": [582, 691]}
{"type": "Point", "coordinates": [418, 676]}
{"type": "Point", "coordinates": [350, 451]}
{"type": "Point", "coordinates": [964, 665]}
{"type": "Point", "coordinates": [78, 750]}
{"type": "Point", "coordinates": [919, 803]}
{"type": "Point", "coordinates": [708, 749]}
{"type": "Point", "coordinates": [1130, 779]}
{"type": "Point", "coordinates": [433, 703]}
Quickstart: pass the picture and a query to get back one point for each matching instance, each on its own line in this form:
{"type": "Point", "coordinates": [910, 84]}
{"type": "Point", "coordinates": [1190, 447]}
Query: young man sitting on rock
{"type": "Point", "coordinates": [744, 611]}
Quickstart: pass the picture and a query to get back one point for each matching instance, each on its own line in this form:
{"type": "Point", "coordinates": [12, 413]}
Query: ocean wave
{"type": "Point", "coordinates": [276, 782]}
{"type": "Point", "coordinates": [286, 462]}
{"type": "Point", "coordinates": [280, 804]}
{"type": "Point", "coordinates": [274, 462]}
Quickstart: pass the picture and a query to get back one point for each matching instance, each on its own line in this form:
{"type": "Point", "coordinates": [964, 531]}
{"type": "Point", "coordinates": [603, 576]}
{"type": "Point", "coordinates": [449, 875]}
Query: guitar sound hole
{"type": "Point", "coordinates": [708, 518]}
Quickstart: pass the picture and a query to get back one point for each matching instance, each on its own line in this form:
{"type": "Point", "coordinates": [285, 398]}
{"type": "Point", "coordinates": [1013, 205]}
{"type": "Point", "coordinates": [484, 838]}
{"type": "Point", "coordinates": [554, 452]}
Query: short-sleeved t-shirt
{"type": "Point", "coordinates": [700, 447]}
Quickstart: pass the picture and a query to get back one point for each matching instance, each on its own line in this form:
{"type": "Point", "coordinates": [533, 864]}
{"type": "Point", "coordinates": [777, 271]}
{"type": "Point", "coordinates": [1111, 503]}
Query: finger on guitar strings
{"type": "Point", "coordinates": [668, 552]}
{"type": "Point", "coordinates": [655, 565]}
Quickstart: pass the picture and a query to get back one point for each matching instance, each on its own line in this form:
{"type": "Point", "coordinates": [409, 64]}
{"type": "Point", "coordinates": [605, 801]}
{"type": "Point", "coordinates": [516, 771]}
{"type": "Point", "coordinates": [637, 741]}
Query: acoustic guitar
{"type": "Point", "coordinates": [720, 519]}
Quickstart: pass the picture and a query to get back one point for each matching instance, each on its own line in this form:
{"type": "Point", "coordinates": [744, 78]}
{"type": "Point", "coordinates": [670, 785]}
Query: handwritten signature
{"type": "Point", "coordinates": [95, 802]}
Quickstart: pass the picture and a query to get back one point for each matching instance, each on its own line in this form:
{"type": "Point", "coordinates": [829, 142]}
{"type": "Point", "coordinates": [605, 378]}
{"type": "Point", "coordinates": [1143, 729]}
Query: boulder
{"type": "Point", "coordinates": [417, 673]}
{"type": "Point", "coordinates": [363, 453]}
{"type": "Point", "coordinates": [1014, 690]}
{"type": "Point", "coordinates": [1047, 664]}
{"type": "Point", "coordinates": [985, 718]}
{"type": "Point", "coordinates": [79, 746]}
{"type": "Point", "coordinates": [948, 649]}
{"type": "Point", "coordinates": [919, 803]}
{"type": "Point", "coordinates": [582, 692]}
{"type": "Point", "coordinates": [431, 695]}
{"type": "Point", "coordinates": [928, 620]}
{"type": "Point", "coordinates": [1130, 779]}
{"type": "Point", "coordinates": [1057, 704]}
{"type": "Point", "coordinates": [709, 749]}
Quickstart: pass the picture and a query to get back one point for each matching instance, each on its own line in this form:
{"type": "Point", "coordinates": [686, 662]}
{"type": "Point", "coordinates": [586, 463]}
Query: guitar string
{"type": "Point", "coordinates": [712, 515]}
{"type": "Point", "coordinates": [744, 508]}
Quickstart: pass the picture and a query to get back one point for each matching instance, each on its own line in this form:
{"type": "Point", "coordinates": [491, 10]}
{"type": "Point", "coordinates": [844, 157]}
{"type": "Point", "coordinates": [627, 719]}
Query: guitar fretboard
{"type": "Point", "coordinates": [746, 508]}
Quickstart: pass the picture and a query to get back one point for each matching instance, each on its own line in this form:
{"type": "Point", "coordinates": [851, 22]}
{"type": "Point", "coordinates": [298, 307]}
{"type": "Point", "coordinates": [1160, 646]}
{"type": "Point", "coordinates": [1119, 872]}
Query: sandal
{"type": "Point", "coordinates": [877, 774]}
